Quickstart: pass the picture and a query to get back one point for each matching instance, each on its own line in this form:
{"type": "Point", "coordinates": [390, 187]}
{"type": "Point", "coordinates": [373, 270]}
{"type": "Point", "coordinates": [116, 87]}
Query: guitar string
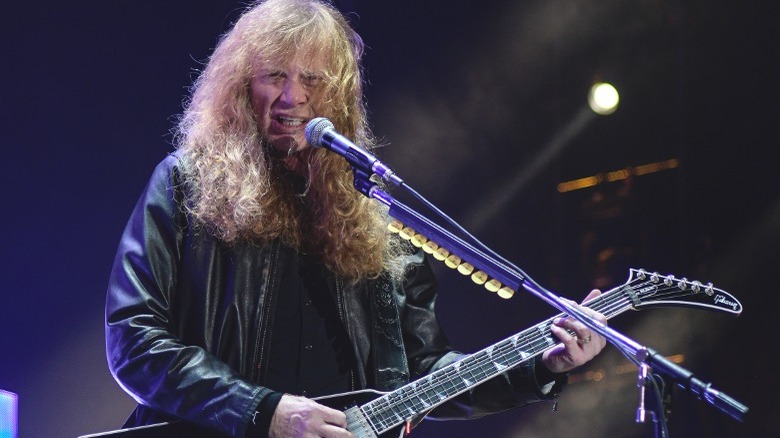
{"type": "Point", "coordinates": [478, 369]}
{"type": "Point", "coordinates": [385, 412]}
{"type": "Point", "coordinates": [379, 409]}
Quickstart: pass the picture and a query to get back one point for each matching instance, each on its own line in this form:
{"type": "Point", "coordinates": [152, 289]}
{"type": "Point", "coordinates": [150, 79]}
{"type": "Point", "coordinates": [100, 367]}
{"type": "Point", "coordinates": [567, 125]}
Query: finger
{"type": "Point", "coordinates": [598, 316]}
{"type": "Point", "coordinates": [584, 339]}
{"type": "Point", "coordinates": [563, 333]}
{"type": "Point", "coordinates": [331, 431]}
{"type": "Point", "coordinates": [593, 294]}
{"type": "Point", "coordinates": [334, 417]}
{"type": "Point", "coordinates": [573, 326]}
{"type": "Point", "coordinates": [574, 332]}
{"type": "Point", "coordinates": [587, 310]}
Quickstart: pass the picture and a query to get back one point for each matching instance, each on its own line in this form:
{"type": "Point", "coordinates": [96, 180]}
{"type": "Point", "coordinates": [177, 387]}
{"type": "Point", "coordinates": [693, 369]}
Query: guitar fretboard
{"type": "Point", "coordinates": [642, 288]}
{"type": "Point", "coordinates": [424, 394]}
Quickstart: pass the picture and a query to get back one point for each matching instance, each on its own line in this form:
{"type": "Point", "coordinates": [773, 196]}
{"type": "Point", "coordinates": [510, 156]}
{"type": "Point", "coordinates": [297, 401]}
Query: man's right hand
{"type": "Point", "coordinates": [301, 417]}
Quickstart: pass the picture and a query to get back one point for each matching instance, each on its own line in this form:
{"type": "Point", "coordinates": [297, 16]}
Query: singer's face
{"type": "Point", "coordinates": [283, 98]}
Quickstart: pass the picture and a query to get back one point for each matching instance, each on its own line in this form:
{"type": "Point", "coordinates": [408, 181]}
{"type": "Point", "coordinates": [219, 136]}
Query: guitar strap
{"type": "Point", "coordinates": [389, 357]}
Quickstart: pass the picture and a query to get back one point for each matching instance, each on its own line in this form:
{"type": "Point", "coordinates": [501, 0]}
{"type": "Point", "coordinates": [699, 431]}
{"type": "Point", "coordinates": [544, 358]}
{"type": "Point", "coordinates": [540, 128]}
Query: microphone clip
{"type": "Point", "coordinates": [363, 183]}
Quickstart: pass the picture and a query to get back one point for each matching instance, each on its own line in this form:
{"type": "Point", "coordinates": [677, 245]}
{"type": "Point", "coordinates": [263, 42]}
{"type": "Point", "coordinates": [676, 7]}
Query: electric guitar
{"type": "Point", "coordinates": [373, 413]}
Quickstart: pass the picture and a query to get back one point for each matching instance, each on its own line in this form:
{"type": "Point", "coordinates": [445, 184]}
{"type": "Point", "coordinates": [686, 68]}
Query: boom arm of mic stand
{"type": "Point", "coordinates": [628, 346]}
{"type": "Point", "coordinates": [686, 379]}
{"type": "Point", "coordinates": [512, 278]}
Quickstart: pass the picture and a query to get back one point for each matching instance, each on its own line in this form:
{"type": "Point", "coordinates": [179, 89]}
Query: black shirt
{"type": "Point", "coordinates": [310, 353]}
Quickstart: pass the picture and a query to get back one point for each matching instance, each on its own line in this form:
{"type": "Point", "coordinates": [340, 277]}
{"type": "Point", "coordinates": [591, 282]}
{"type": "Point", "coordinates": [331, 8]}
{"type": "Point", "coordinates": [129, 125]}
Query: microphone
{"type": "Point", "coordinates": [320, 132]}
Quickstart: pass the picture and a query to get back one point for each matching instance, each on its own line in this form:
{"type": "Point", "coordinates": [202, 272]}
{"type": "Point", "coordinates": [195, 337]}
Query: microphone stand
{"type": "Point", "coordinates": [510, 276]}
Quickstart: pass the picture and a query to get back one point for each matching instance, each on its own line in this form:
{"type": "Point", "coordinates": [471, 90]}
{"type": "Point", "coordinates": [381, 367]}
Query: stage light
{"type": "Point", "coordinates": [9, 404]}
{"type": "Point", "coordinates": [603, 98]}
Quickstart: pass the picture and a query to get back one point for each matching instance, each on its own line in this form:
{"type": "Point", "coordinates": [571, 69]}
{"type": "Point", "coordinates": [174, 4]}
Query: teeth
{"type": "Point", "coordinates": [287, 121]}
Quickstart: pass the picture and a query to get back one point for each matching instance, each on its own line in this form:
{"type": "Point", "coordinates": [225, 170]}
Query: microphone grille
{"type": "Point", "coordinates": [315, 129]}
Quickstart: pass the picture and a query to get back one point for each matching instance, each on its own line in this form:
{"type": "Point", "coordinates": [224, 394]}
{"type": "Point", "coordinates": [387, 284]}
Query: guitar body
{"type": "Point", "coordinates": [173, 429]}
{"type": "Point", "coordinates": [350, 403]}
{"type": "Point", "coordinates": [181, 429]}
{"type": "Point", "coordinates": [392, 414]}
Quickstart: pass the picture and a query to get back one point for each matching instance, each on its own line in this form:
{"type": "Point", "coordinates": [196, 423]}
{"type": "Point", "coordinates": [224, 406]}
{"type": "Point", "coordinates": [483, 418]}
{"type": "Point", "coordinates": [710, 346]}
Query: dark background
{"type": "Point", "coordinates": [481, 105]}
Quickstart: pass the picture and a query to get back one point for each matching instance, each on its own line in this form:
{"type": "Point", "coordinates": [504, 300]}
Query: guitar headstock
{"type": "Point", "coordinates": [650, 289]}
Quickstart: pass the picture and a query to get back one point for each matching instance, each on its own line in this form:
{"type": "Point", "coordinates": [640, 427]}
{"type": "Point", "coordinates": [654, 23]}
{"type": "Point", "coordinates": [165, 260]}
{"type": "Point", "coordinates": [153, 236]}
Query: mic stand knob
{"type": "Point", "coordinates": [641, 382]}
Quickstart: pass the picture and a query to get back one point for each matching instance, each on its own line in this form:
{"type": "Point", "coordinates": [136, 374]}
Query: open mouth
{"type": "Point", "coordinates": [289, 122]}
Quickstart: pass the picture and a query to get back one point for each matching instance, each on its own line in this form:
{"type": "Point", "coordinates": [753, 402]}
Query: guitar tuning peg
{"type": "Point", "coordinates": [696, 286]}
{"type": "Point", "coordinates": [683, 283]}
{"type": "Point", "coordinates": [709, 290]}
{"type": "Point", "coordinates": [668, 280]}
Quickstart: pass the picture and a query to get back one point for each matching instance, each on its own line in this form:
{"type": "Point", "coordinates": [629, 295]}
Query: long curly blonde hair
{"type": "Point", "coordinates": [238, 191]}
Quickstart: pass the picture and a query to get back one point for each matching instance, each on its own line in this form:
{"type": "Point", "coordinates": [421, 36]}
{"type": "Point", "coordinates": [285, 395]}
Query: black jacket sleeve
{"type": "Point", "coordinates": [145, 354]}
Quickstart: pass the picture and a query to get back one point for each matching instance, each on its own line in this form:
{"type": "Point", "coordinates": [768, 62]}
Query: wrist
{"type": "Point", "coordinates": [260, 422]}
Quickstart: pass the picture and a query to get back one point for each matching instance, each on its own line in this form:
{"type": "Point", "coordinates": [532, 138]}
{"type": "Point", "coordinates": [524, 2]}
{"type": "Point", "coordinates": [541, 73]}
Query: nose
{"type": "Point", "coordinates": [294, 93]}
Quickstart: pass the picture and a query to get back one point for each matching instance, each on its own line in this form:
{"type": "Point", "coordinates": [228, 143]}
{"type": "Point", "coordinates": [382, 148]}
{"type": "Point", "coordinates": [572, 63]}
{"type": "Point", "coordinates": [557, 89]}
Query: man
{"type": "Point", "coordinates": [252, 277]}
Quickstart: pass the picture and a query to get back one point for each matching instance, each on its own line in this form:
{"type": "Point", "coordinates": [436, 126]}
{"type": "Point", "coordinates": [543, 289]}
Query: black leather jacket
{"type": "Point", "coordinates": [187, 322]}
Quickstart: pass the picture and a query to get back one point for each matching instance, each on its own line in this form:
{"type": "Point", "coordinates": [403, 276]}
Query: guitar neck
{"type": "Point", "coordinates": [422, 395]}
{"type": "Point", "coordinates": [642, 289]}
